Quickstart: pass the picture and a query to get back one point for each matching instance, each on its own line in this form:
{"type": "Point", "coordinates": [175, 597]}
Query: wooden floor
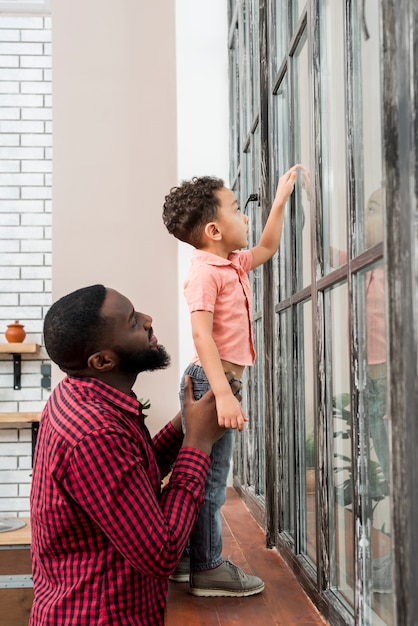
{"type": "Point", "coordinates": [282, 603]}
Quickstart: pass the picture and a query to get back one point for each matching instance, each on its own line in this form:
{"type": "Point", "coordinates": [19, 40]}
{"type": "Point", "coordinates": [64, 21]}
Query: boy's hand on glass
{"type": "Point", "coordinates": [286, 185]}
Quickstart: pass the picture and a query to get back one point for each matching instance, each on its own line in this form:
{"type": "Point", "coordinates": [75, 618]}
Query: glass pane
{"type": "Point", "coordinates": [333, 140]}
{"type": "Point", "coordinates": [370, 139]}
{"type": "Point", "coordinates": [286, 430]}
{"type": "Point", "coordinates": [234, 151]}
{"type": "Point", "coordinates": [255, 56]}
{"type": "Point", "coordinates": [375, 424]}
{"type": "Point", "coordinates": [298, 7]}
{"type": "Point", "coordinates": [280, 21]}
{"type": "Point", "coordinates": [306, 426]}
{"type": "Point", "coordinates": [256, 146]}
{"type": "Point", "coordinates": [245, 70]}
{"type": "Point", "coordinates": [342, 574]}
{"type": "Point", "coordinates": [280, 165]}
{"type": "Point", "coordinates": [280, 135]}
{"type": "Point", "coordinates": [302, 155]}
{"type": "Point", "coordinates": [245, 172]}
{"type": "Point", "coordinates": [253, 210]}
{"type": "Point", "coordinates": [249, 438]}
{"type": "Point", "coordinates": [258, 412]}
{"type": "Point", "coordinates": [256, 225]}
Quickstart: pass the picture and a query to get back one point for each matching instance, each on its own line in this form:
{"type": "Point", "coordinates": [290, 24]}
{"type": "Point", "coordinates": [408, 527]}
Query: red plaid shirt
{"type": "Point", "coordinates": [104, 538]}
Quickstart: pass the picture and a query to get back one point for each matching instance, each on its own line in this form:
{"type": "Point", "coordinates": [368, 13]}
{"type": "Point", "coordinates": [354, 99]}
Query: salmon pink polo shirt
{"type": "Point", "coordinates": [375, 303]}
{"type": "Point", "coordinates": [221, 286]}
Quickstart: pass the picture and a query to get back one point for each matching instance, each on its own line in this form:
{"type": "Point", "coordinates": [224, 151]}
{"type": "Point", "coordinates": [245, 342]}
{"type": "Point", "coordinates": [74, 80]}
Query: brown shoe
{"type": "Point", "coordinates": [225, 580]}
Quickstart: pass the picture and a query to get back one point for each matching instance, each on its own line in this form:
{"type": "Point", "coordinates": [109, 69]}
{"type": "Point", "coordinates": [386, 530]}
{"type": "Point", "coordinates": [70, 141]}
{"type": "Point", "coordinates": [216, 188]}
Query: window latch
{"type": "Point", "coordinates": [252, 198]}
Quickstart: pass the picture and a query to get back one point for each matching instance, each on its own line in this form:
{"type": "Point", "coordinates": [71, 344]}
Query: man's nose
{"type": "Point", "coordinates": [146, 320]}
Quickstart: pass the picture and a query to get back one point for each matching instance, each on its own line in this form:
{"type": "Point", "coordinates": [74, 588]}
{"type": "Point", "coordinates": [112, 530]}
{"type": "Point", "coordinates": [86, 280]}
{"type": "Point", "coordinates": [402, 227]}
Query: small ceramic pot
{"type": "Point", "coordinates": [15, 333]}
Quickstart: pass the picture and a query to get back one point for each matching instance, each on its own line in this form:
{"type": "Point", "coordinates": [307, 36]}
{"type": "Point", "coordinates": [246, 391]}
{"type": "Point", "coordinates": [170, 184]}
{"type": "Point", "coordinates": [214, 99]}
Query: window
{"type": "Point", "coordinates": [318, 395]}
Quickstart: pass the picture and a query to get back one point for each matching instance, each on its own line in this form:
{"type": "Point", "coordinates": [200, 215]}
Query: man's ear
{"type": "Point", "coordinates": [212, 231]}
{"type": "Point", "coordinates": [103, 361]}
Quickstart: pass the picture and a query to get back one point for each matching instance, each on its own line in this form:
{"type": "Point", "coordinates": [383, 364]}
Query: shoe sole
{"type": "Point", "coordinates": [225, 593]}
{"type": "Point", "coordinates": [179, 578]}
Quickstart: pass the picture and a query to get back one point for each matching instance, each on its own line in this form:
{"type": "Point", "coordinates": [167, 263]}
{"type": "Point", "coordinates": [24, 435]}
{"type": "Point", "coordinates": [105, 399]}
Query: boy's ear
{"type": "Point", "coordinates": [212, 231]}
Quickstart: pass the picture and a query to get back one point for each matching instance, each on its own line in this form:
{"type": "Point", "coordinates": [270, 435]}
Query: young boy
{"type": "Point", "coordinates": [205, 214]}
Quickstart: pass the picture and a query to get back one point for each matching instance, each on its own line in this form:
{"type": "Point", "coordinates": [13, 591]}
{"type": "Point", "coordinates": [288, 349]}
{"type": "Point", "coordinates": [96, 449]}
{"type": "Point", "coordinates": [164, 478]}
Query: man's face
{"type": "Point", "coordinates": [131, 336]}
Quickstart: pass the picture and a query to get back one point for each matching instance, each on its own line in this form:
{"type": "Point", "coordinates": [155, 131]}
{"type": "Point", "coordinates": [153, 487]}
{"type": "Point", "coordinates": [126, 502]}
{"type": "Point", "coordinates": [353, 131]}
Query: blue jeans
{"type": "Point", "coordinates": [205, 542]}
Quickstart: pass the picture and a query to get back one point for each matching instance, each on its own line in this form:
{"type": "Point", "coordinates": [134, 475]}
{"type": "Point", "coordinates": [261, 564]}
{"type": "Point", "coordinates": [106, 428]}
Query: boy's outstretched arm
{"type": "Point", "coordinates": [272, 232]}
{"type": "Point", "coordinates": [230, 413]}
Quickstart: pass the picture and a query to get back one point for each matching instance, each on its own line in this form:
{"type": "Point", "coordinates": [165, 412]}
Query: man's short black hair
{"type": "Point", "coordinates": [74, 327]}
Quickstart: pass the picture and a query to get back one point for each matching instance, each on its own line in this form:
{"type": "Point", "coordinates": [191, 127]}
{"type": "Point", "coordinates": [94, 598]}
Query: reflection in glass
{"type": "Point", "coordinates": [342, 574]}
{"type": "Point", "coordinates": [286, 438]}
{"type": "Point", "coordinates": [302, 155]}
{"type": "Point", "coordinates": [374, 219]}
{"type": "Point", "coordinates": [374, 423]}
{"type": "Point", "coordinates": [375, 463]}
{"type": "Point", "coordinates": [306, 425]}
{"type": "Point", "coordinates": [333, 120]}
{"type": "Point", "coordinates": [370, 140]}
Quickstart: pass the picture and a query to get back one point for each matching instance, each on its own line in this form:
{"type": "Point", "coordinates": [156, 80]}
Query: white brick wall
{"type": "Point", "coordinates": [15, 471]}
{"type": "Point", "coordinates": [25, 232]}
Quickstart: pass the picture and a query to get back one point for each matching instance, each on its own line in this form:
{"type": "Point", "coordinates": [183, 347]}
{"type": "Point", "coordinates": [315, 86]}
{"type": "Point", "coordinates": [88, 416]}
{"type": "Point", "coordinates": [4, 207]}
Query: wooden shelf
{"type": "Point", "coordinates": [16, 418]}
{"type": "Point", "coordinates": [16, 350]}
{"type": "Point", "coordinates": [19, 537]}
{"type": "Point", "coordinates": [19, 348]}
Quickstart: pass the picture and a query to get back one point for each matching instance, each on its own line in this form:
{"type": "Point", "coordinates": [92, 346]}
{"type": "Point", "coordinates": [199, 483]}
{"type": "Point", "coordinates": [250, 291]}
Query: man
{"type": "Point", "coordinates": [104, 537]}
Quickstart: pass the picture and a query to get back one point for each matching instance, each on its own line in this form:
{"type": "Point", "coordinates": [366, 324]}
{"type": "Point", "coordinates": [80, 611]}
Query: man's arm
{"type": "Point", "coordinates": [149, 531]}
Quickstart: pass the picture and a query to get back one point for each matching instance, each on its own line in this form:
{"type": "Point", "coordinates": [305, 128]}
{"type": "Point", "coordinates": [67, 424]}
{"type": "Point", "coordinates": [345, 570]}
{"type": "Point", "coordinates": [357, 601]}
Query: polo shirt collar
{"type": "Point", "coordinates": [213, 259]}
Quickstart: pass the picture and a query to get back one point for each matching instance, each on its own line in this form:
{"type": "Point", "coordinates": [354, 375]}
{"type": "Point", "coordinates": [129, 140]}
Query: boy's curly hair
{"type": "Point", "coordinates": [192, 205]}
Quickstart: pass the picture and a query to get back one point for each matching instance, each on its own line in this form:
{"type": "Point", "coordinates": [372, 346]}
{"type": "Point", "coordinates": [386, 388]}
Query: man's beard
{"type": "Point", "coordinates": [147, 360]}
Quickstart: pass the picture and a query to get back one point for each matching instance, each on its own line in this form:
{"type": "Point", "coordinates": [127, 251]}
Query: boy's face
{"type": "Point", "coordinates": [232, 224]}
{"type": "Point", "coordinates": [374, 219]}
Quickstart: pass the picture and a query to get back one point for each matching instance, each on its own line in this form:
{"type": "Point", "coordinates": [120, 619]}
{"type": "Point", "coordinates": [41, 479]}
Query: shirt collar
{"type": "Point", "coordinates": [214, 259]}
{"type": "Point", "coordinates": [126, 402]}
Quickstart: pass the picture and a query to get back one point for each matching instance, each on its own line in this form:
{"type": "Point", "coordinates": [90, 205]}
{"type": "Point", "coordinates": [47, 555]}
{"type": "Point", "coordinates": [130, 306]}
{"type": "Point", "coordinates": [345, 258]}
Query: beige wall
{"type": "Point", "coordinates": [114, 159]}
